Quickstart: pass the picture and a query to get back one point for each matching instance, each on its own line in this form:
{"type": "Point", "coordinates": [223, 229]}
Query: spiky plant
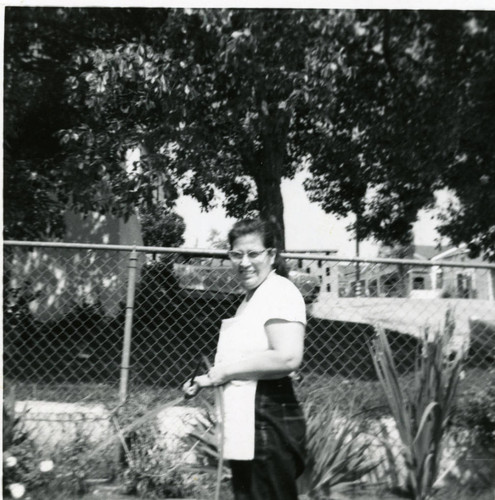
{"type": "Point", "coordinates": [337, 449]}
{"type": "Point", "coordinates": [422, 416]}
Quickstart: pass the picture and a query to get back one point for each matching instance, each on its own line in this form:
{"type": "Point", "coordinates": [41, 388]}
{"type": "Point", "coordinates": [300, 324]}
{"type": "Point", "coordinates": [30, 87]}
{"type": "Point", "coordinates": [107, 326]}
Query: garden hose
{"type": "Point", "coordinates": [133, 425]}
{"type": "Point", "coordinates": [121, 432]}
{"type": "Point", "coordinates": [220, 415]}
{"type": "Point", "coordinates": [144, 418]}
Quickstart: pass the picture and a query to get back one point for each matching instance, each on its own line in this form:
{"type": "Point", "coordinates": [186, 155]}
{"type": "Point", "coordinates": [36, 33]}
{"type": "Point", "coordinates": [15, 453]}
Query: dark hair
{"type": "Point", "coordinates": [270, 234]}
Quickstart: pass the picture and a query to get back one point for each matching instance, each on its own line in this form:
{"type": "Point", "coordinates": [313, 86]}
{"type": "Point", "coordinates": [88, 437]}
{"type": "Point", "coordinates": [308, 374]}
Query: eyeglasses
{"type": "Point", "coordinates": [252, 255]}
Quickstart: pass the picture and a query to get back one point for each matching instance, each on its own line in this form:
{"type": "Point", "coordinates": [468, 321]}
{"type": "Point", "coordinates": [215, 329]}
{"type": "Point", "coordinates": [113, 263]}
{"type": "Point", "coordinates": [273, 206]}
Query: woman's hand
{"type": "Point", "coordinates": [213, 378]}
{"type": "Point", "coordinates": [192, 387]}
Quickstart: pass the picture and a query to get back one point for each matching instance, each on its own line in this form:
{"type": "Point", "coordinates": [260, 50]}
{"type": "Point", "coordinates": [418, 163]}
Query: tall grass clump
{"type": "Point", "coordinates": [423, 413]}
{"type": "Point", "coordinates": [337, 449]}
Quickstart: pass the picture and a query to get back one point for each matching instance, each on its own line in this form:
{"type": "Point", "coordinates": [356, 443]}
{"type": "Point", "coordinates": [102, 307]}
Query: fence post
{"type": "Point", "coordinates": [129, 313]}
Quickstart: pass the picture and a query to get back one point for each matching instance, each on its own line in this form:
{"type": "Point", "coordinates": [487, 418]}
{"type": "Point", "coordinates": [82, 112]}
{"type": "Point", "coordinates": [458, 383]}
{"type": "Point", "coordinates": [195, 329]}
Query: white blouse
{"type": "Point", "coordinates": [242, 337]}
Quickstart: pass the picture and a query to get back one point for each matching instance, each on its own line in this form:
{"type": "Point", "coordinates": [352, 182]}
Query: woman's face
{"type": "Point", "coordinates": [251, 270]}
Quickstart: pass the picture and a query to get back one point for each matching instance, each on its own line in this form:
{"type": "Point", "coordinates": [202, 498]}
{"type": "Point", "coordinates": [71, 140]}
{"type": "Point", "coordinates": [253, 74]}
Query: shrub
{"type": "Point", "coordinates": [357, 397]}
{"type": "Point", "coordinates": [161, 227]}
{"type": "Point", "coordinates": [20, 455]}
{"type": "Point", "coordinates": [151, 472]}
{"type": "Point", "coordinates": [29, 469]}
{"type": "Point", "coordinates": [26, 467]}
{"type": "Point", "coordinates": [341, 347]}
{"type": "Point", "coordinates": [13, 429]}
{"type": "Point", "coordinates": [81, 345]}
{"type": "Point", "coordinates": [482, 343]}
{"type": "Point", "coordinates": [172, 325]}
{"type": "Point", "coordinates": [475, 409]}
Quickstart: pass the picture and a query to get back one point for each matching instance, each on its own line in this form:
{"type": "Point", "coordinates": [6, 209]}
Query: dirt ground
{"type": "Point", "coordinates": [110, 492]}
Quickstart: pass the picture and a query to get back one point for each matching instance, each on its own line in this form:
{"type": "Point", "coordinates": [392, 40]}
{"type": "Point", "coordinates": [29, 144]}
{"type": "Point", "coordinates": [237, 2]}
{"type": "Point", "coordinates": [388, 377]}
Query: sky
{"type": "Point", "coordinates": [307, 226]}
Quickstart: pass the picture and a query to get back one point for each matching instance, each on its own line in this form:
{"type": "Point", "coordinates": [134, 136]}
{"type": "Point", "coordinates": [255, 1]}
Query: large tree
{"type": "Point", "coordinates": [468, 119]}
{"type": "Point", "coordinates": [40, 44]}
{"type": "Point", "coordinates": [209, 97]}
{"type": "Point", "coordinates": [385, 106]}
{"type": "Point", "coordinates": [409, 112]}
{"type": "Point", "coordinates": [365, 150]}
{"type": "Point", "coordinates": [32, 85]}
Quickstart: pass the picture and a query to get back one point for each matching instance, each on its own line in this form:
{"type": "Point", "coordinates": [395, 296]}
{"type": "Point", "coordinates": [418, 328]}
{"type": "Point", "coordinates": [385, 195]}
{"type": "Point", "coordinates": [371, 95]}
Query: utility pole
{"type": "Point", "coordinates": [358, 267]}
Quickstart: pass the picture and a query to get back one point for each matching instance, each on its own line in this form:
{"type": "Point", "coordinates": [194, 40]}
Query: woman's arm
{"type": "Point", "coordinates": [286, 345]}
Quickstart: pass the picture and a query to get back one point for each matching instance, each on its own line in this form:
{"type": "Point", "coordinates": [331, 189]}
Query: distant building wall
{"type": "Point", "coordinates": [386, 280]}
{"type": "Point", "coordinates": [327, 272]}
{"type": "Point", "coordinates": [463, 282]}
{"type": "Point", "coordinates": [57, 280]}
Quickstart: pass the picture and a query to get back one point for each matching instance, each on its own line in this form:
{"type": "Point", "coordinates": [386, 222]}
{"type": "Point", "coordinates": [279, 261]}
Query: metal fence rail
{"type": "Point", "coordinates": [129, 317]}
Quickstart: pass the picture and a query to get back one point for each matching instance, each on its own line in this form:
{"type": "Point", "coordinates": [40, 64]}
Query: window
{"type": "Point", "coordinates": [319, 263]}
{"type": "Point", "coordinates": [327, 271]}
{"type": "Point", "coordinates": [308, 270]}
{"type": "Point", "coordinates": [320, 278]}
{"type": "Point", "coordinates": [329, 288]}
{"type": "Point", "coordinates": [418, 283]}
{"type": "Point", "coordinates": [464, 285]}
{"type": "Point", "coordinates": [299, 264]}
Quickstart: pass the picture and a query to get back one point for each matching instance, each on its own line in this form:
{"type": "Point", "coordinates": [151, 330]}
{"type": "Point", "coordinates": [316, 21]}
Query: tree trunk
{"type": "Point", "coordinates": [268, 173]}
{"type": "Point", "coordinates": [270, 202]}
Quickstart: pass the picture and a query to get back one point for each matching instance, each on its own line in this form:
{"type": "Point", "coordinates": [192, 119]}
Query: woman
{"type": "Point", "coordinates": [257, 350]}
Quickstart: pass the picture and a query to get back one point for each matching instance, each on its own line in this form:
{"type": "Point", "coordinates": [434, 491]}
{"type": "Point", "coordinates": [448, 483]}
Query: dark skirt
{"type": "Point", "coordinates": [279, 446]}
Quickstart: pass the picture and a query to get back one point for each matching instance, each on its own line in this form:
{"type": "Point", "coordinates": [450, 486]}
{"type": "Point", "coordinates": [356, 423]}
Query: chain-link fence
{"type": "Point", "coordinates": [66, 309]}
{"type": "Point", "coordinates": [109, 323]}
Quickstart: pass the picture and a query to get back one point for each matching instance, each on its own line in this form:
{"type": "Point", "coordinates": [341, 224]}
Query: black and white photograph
{"type": "Point", "coordinates": [248, 250]}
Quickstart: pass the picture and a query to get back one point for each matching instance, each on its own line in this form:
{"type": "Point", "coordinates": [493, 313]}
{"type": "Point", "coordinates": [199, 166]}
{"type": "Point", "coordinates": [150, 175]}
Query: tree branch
{"type": "Point", "coordinates": [387, 56]}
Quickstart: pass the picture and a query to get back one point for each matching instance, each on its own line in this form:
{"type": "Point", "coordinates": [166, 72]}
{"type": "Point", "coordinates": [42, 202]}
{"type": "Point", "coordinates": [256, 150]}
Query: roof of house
{"type": "Point", "coordinates": [452, 252]}
{"type": "Point", "coordinates": [427, 252]}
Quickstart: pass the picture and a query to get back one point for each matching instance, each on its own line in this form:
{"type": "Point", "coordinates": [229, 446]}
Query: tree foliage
{"type": "Point", "coordinates": [409, 111]}
{"type": "Point", "coordinates": [210, 95]}
{"type": "Point", "coordinates": [39, 178]}
{"type": "Point", "coordinates": [384, 107]}
{"type": "Point", "coordinates": [31, 83]}
{"type": "Point", "coordinates": [161, 227]}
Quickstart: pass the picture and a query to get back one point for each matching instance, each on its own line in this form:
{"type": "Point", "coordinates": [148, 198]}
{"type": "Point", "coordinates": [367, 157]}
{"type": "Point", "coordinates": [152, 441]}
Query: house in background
{"type": "Point", "coordinates": [325, 271]}
{"type": "Point", "coordinates": [417, 281]}
{"type": "Point", "coordinates": [462, 282]}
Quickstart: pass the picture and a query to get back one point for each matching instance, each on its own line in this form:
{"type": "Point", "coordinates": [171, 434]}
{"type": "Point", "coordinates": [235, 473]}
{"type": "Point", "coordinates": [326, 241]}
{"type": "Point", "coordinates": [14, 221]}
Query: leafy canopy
{"type": "Point", "coordinates": [384, 108]}
{"type": "Point", "coordinates": [408, 111]}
